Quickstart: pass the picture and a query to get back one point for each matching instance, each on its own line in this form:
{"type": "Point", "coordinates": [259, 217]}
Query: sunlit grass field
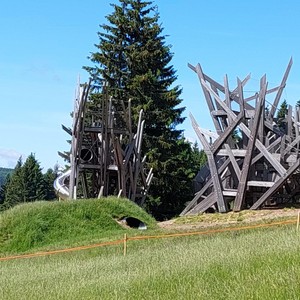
{"type": "Point", "coordinates": [250, 264]}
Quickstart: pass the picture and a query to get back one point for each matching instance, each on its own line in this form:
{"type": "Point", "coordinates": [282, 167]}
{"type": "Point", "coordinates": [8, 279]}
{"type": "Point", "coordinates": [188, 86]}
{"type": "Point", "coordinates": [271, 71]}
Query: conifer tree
{"type": "Point", "coordinates": [3, 189]}
{"type": "Point", "coordinates": [281, 114]}
{"type": "Point", "coordinates": [33, 180]}
{"type": "Point", "coordinates": [49, 178]}
{"type": "Point", "coordinates": [15, 187]}
{"type": "Point", "coordinates": [134, 61]}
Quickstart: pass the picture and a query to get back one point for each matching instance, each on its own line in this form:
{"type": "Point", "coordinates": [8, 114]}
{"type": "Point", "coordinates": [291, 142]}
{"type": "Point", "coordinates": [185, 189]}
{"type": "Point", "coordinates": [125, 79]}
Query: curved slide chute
{"type": "Point", "coordinates": [61, 188]}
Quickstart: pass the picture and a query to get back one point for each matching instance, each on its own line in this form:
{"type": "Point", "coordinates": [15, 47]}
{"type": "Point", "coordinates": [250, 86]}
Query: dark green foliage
{"type": "Point", "coordinates": [49, 178]}
{"type": "Point", "coordinates": [32, 225]}
{"type": "Point", "coordinates": [281, 115]}
{"type": "Point", "coordinates": [27, 183]}
{"type": "Point", "coordinates": [3, 174]}
{"type": "Point", "coordinates": [15, 188]}
{"type": "Point", "coordinates": [3, 189]}
{"type": "Point", "coordinates": [33, 180]}
{"type": "Point", "coordinates": [134, 62]}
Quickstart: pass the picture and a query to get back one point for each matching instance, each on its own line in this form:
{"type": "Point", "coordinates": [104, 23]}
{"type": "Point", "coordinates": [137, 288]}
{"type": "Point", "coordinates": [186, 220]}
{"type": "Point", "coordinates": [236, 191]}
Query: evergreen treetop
{"type": "Point", "coordinates": [133, 62]}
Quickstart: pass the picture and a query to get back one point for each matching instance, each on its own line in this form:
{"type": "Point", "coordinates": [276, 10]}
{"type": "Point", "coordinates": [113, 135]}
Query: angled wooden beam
{"type": "Point", "coordinates": [208, 98]}
{"type": "Point", "coordinates": [277, 166]}
{"type": "Point", "coordinates": [208, 184]}
{"type": "Point", "coordinates": [240, 197]}
{"type": "Point", "coordinates": [203, 205]}
{"type": "Point", "coordinates": [226, 133]}
{"type": "Point", "coordinates": [277, 185]}
{"type": "Point", "coordinates": [280, 90]}
{"type": "Point", "coordinates": [212, 166]}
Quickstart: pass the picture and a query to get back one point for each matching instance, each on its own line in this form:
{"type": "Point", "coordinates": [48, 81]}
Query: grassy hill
{"type": "Point", "coordinates": [248, 264]}
{"type": "Point", "coordinates": [43, 225]}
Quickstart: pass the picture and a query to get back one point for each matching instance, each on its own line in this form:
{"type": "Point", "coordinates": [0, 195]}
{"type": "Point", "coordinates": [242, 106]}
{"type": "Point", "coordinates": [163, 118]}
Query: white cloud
{"type": "Point", "coordinates": [9, 158]}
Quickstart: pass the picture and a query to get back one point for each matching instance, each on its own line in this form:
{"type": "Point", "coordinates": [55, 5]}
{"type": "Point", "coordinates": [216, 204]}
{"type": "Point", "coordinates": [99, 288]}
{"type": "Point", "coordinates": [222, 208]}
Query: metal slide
{"type": "Point", "coordinates": [61, 188]}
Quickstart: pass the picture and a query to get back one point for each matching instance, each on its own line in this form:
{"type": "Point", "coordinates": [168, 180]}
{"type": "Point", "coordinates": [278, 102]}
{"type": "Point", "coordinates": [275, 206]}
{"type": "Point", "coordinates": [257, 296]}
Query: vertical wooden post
{"type": "Point", "coordinates": [298, 220]}
{"type": "Point", "coordinates": [125, 244]}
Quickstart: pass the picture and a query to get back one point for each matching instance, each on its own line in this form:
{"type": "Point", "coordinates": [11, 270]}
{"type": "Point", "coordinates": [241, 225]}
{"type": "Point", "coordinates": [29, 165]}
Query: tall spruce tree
{"type": "Point", "coordinates": [134, 61]}
{"type": "Point", "coordinates": [33, 180]}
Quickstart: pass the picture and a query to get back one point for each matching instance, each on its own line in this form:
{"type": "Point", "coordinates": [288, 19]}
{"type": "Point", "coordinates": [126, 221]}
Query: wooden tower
{"type": "Point", "coordinates": [254, 159]}
{"type": "Point", "coordinates": [105, 156]}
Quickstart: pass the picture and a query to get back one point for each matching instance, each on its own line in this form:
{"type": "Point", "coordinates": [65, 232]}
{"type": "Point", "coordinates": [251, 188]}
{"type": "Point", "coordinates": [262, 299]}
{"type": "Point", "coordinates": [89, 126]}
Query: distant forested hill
{"type": "Point", "coordinates": [3, 173]}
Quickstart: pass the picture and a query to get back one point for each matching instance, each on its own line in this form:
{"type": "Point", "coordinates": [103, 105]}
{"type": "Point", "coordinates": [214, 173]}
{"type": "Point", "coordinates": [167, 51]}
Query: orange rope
{"type": "Point", "coordinates": [145, 237]}
{"type": "Point", "coordinates": [61, 250]}
{"type": "Point", "coordinates": [210, 231]}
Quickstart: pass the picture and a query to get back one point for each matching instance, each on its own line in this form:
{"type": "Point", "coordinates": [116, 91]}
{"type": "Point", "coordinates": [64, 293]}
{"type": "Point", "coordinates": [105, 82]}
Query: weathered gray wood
{"type": "Point", "coordinates": [258, 160]}
{"type": "Point", "coordinates": [208, 98]}
{"type": "Point", "coordinates": [276, 186]}
{"type": "Point", "coordinates": [240, 197]}
{"type": "Point", "coordinates": [280, 90]}
{"type": "Point", "coordinates": [213, 168]}
{"type": "Point", "coordinates": [233, 161]}
{"type": "Point", "coordinates": [279, 168]}
{"type": "Point", "coordinates": [208, 184]}
{"type": "Point", "coordinates": [204, 205]}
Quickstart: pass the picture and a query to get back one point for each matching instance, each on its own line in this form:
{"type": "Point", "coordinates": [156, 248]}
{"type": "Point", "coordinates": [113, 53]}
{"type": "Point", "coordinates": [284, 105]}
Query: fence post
{"type": "Point", "coordinates": [298, 220]}
{"type": "Point", "coordinates": [125, 244]}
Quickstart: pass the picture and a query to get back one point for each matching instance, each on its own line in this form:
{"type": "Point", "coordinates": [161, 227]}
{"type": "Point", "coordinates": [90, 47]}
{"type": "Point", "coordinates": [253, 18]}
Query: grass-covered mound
{"type": "Point", "coordinates": [30, 226]}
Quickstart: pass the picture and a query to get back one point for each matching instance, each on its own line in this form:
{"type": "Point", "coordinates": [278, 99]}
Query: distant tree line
{"type": "Point", "coordinates": [27, 183]}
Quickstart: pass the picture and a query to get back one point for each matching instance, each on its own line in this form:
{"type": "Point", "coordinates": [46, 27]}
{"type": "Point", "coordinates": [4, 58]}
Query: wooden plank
{"type": "Point", "coordinates": [234, 164]}
{"type": "Point", "coordinates": [226, 133]}
{"type": "Point", "coordinates": [212, 166]}
{"type": "Point", "coordinates": [228, 193]}
{"type": "Point", "coordinates": [240, 197]}
{"type": "Point", "coordinates": [66, 129]}
{"type": "Point", "coordinates": [280, 90]}
{"type": "Point", "coordinates": [290, 146]}
{"type": "Point", "coordinates": [289, 122]}
{"type": "Point", "coordinates": [270, 91]}
{"type": "Point", "coordinates": [277, 185]}
{"type": "Point", "coordinates": [260, 183]}
{"type": "Point", "coordinates": [227, 97]}
{"type": "Point", "coordinates": [203, 205]}
{"type": "Point", "coordinates": [207, 185]}
{"type": "Point", "coordinates": [235, 152]}
{"type": "Point", "coordinates": [208, 98]}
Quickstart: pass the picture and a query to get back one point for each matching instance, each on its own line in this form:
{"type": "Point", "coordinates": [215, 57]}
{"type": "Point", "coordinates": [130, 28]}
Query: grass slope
{"type": "Point", "coordinates": [42, 225]}
{"type": "Point", "coordinates": [254, 264]}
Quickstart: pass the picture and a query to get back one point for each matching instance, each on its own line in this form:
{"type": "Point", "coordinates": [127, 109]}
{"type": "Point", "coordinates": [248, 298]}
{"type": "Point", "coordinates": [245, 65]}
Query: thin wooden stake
{"type": "Point", "coordinates": [298, 220]}
{"type": "Point", "coordinates": [125, 244]}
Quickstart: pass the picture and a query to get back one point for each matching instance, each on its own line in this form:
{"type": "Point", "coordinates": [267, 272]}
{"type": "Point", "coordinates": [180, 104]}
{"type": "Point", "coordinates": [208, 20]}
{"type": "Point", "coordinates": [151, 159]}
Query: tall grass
{"type": "Point", "coordinates": [39, 225]}
{"type": "Point", "coordinates": [257, 264]}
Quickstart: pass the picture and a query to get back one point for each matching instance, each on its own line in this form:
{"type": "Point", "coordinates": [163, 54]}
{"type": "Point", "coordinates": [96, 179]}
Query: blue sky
{"type": "Point", "coordinates": [44, 45]}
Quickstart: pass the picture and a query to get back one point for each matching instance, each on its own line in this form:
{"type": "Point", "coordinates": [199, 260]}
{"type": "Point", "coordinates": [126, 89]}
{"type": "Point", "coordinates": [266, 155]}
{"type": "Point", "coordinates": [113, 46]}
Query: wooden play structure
{"type": "Point", "coordinates": [105, 156]}
{"type": "Point", "coordinates": [254, 158]}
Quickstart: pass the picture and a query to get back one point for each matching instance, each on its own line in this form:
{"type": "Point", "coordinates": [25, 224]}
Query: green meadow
{"type": "Point", "coordinates": [248, 264]}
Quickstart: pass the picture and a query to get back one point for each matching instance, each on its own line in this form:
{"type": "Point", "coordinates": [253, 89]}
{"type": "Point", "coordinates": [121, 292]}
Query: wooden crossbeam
{"type": "Point", "coordinates": [279, 168]}
{"type": "Point", "coordinates": [277, 185]}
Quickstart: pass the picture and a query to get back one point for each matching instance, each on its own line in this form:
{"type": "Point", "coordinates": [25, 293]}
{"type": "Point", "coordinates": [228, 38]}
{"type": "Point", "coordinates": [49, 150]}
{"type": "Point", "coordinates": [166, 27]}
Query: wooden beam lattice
{"type": "Point", "coordinates": [254, 160]}
{"type": "Point", "coordinates": [105, 156]}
